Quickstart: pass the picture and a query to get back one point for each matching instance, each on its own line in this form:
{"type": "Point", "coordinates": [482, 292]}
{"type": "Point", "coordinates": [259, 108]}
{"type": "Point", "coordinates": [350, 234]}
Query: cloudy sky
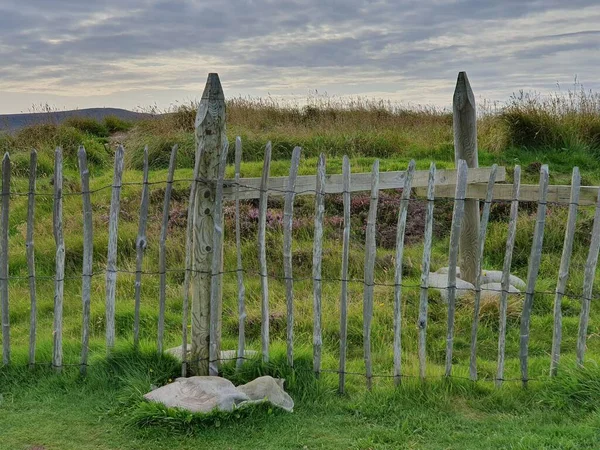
{"type": "Point", "coordinates": [138, 53]}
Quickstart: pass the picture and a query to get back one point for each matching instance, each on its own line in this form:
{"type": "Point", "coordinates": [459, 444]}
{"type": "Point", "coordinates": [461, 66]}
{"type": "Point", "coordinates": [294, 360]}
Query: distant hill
{"type": "Point", "coordinates": [13, 122]}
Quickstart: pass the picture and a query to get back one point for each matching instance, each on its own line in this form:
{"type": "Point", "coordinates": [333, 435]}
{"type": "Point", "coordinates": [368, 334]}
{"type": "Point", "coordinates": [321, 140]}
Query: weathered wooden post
{"type": "Point", "coordinates": [210, 138]}
{"type": "Point", "coordinates": [465, 147]}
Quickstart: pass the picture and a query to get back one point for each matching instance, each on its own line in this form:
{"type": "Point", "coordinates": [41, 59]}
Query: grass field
{"type": "Point", "coordinates": [39, 408]}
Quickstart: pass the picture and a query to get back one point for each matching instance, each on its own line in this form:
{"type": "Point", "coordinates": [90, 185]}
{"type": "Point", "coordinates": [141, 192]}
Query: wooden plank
{"type": "Point", "coordinates": [111, 260]}
{"type": "Point", "coordinates": [59, 280]}
{"type": "Point", "coordinates": [563, 271]}
{"type": "Point", "coordinates": [30, 249]}
{"type": "Point", "coordinates": [485, 216]}
{"type": "Point", "coordinates": [344, 276]}
{"type": "Point", "coordinates": [588, 284]}
{"type": "Point", "coordinates": [210, 139]}
{"type": "Point", "coordinates": [560, 194]}
{"type": "Point", "coordinates": [464, 118]}
{"type": "Point", "coordinates": [88, 255]}
{"type": "Point", "coordinates": [424, 293]}
{"type": "Point", "coordinates": [505, 281]}
{"type": "Point", "coordinates": [140, 248]}
{"type": "Point", "coordinates": [317, 264]}
{"type": "Point", "coordinates": [532, 273]}
{"type": "Point", "coordinates": [4, 259]}
{"type": "Point", "coordinates": [288, 216]}
{"type": "Point", "coordinates": [217, 266]}
{"type": "Point", "coordinates": [162, 250]}
{"type": "Point", "coordinates": [306, 184]}
{"type": "Point", "coordinates": [400, 231]}
{"type": "Point", "coordinates": [370, 254]}
{"type": "Point", "coordinates": [240, 267]}
{"type": "Point", "coordinates": [455, 235]}
{"type": "Point", "coordinates": [262, 254]}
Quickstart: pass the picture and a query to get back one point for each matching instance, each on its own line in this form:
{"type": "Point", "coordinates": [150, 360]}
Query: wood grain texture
{"type": "Point", "coordinates": [400, 231]}
{"type": "Point", "coordinates": [370, 254]}
{"type": "Point", "coordinates": [4, 223]}
{"type": "Point", "coordinates": [588, 285]}
{"type": "Point", "coordinates": [344, 276]}
{"type": "Point", "coordinates": [111, 260]}
{"type": "Point", "coordinates": [162, 250]}
{"type": "Point", "coordinates": [262, 254]}
{"type": "Point", "coordinates": [485, 216]}
{"type": "Point", "coordinates": [288, 216]}
{"type": "Point", "coordinates": [455, 234]}
{"type": "Point", "coordinates": [563, 271]}
{"type": "Point", "coordinates": [30, 250]}
{"type": "Point", "coordinates": [464, 117]}
{"type": "Point", "coordinates": [88, 256]}
{"type": "Point", "coordinates": [59, 279]}
{"type": "Point", "coordinates": [505, 282]}
{"type": "Point", "coordinates": [210, 139]}
{"type": "Point", "coordinates": [140, 248]}
{"type": "Point", "coordinates": [532, 273]}
{"type": "Point", "coordinates": [425, 266]}
{"type": "Point", "coordinates": [240, 267]}
{"type": "Point", "coordinates": [317, 265]}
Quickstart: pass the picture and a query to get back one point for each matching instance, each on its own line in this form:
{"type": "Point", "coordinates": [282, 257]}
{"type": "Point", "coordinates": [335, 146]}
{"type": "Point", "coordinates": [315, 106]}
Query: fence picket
{"type": "Point", "coordinates": [88, 255]}
{"type": "Point", "coordinates": [288, 214]}
{"type": "Point", "coordinates": [262, 253]}
{"type": "Point", "coordinates": [317, 263]}
{"type": "Point", "coordinates": [563, 271]}
{"type": "Point", "coordinates": [370, 253]}
{"type": "Point", "coordinates": [424, 294]}
{"type": "Point", "coordinates": [111, 261]}
{"type": "Point", "coordinates": [532, 272]}
{"type": "Point", "coordinates": [344, 276]}
{"type": "Point", "coordinates": [455, 233]}
{"type": "Point", "coordinates": [162, 250]}
{"type": "Point", "coordinates": [57, 352]}
{"type": "Point", "coordinates": [4, 259]}
{"type": "Point", "coordinates": [140, 247]}
{"type": "Point", "coordinates": [588, 285]}
{"type": "Point", "coordinates": [240, 268]}
{"type": "Point", "coordinates": [30, 249]}
{"type": "Point", "coordinates": [505, 281]}
{"type": "Point", "coordinates": [485, 216]}
{"type": "Point", "coordinates": [402, 214]}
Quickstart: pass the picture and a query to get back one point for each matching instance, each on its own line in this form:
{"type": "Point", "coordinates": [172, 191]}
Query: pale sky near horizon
{"type": "Point", "coordinates": [138, 53]}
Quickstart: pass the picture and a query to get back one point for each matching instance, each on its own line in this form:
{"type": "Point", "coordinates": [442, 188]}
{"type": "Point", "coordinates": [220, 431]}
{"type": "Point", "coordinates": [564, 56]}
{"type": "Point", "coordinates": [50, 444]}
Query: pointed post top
{"type": "Point", "coordinates": [6, 157]}
{"type": "Point", "coordinates": [463, 94]}
{"type": "Point", "coordinates": [210, 117]}
{"type": "Point", "coordinates": [213, 90]}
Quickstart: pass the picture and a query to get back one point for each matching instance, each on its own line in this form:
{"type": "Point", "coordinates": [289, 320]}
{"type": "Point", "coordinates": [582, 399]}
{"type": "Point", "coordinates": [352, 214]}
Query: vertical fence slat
{"type": "Point", "coordinates": [140, 247]}
{"type": "Point", "coordinates": [4, 260]}
{"type": "Point", "coordinates": [402, 214]}
{"type": "Point", "coordinates": [344, 276]}
{"type": "Point", "coordinates": [217, 267]}
{"type": "Point", "coordinates": [317, 263]}
{"type": "Point", "coordinates": [532, 272]}
{"type": "Point", "coordinates": [288, 215]}
{"type": "Point", "coordinates": [262, 253]}
{"type": "Point", "coordinates": [162, 250]}
{"type": "Point", "coordinates": [59, 280]}
{"type": "Point", "coordinates": [88, 255]}
{"type": "Point", "coordinates": [485, 216]}
{"type": "Point", "coordinates": [370, 253]}
{"type": "Point", "coordinates": [238, 246]}
{"type": "Point", "coordinates": [563, 271]}
{"type": "Point", "coordinates": [588, 284]}
{"type": "Point", "coordinates": [505, 281]}
{"type": "Point", "coordinates": [30, 249]}
{"type": "Point", "coordinates": [457, 217]}
{"type": "Point", "coordinates": [424, 294]}
{"type": "Point", "coordinates": [111, 261]}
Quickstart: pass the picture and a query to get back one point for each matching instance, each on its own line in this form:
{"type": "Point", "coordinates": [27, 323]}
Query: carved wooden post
{"type": "Point", "coordinates": [210, 138]}
{"type": "Point", "coordinates": [465, 147]}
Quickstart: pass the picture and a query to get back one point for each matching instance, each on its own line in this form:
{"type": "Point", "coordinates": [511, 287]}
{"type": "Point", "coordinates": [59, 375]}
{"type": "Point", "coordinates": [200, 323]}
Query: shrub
{"type": "Point", "coordinates": [114, 124]}
{"type": "Point", "coordinates": [87, 125]}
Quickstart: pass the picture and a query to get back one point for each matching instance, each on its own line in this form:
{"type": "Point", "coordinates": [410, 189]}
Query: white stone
{"type": "Point", "coordinates": [224, 356]}
{"type": "Point", "coordinates": [495, 276]}
{"type": "Point", "coordinates": [493, 292]}
{"type": "Point", "coordinates": [439, 281]}
{"type": "Point", "coordinates": [269, 389]}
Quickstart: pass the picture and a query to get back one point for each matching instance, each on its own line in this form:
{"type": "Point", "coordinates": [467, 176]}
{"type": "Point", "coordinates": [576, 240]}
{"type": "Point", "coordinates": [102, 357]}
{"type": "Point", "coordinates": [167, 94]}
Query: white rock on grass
{"type": "Point", "coordinates": [490, 276]}
{"type": "Point", "coordinates": [439, 281]}
{"type": "Point", "coordinates": [269, 389]}
{"type": "Point", "coordinates": [493, 292]}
